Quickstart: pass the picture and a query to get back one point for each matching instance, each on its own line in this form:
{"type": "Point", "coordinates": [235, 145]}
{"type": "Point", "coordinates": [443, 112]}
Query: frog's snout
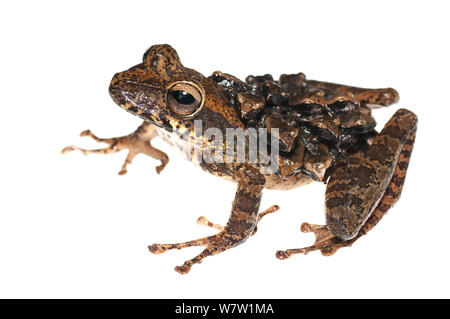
{"type": "Point", "coordinates": [115, 90]}
{"type": "Point", "coordinates": [141, 99]}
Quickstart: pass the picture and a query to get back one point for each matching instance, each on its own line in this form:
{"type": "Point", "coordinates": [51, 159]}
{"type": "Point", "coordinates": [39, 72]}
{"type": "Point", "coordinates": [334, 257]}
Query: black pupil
{"type": "Point", "coordinates": [183, 97]}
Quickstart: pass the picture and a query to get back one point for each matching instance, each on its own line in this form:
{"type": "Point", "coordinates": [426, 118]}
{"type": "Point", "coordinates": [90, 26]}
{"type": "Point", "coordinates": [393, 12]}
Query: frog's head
{"type": "Point", "coordinates": [162, 91]}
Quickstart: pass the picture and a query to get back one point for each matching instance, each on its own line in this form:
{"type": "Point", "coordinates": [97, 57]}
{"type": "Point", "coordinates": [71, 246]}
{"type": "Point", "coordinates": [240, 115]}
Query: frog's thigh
{"type": "Point", "coordinates": [355, 190]}
{"type": "Point", "coordinates": [357, 213]}
{"type": "Point", "coordinates": [240, 226]}
{"type": "Point", "coordinates": [390, 197]}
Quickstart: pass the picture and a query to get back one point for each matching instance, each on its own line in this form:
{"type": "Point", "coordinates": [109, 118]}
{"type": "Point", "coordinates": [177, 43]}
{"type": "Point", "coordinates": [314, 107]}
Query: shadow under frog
{"type": "Point", "coordinates": [323, 131]}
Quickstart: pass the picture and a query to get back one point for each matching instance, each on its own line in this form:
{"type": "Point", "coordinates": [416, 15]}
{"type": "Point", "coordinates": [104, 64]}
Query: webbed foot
{"type": "Point", "coordinates": [136, 142]}
{"type": "Point", "coordinates": [326, 242]}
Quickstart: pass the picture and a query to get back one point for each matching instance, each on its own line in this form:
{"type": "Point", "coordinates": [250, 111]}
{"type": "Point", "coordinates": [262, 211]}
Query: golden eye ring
{"type": "Point", "coordinates": [184, 98]}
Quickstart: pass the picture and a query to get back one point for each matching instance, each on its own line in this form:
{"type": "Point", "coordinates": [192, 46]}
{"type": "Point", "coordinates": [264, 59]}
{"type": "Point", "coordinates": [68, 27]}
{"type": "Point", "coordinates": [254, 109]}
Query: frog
{"type": "Point", "coordinates": [321, 132]}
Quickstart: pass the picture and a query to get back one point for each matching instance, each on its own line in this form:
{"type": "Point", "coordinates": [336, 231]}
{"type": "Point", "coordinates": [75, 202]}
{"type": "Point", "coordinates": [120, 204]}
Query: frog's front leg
{"type": "Point", "coordinates": [359, 194]}
{"type": "Point", "coordinates": [202, 220]}
{"type": "Point", "coordinates": [240, 226]}
{"type": "Point", "coordinates": [137, 142]}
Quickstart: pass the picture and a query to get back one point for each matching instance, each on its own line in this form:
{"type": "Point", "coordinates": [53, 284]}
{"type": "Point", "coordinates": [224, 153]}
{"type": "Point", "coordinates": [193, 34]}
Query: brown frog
{"type": "Point", "coordinates": [319, 131]}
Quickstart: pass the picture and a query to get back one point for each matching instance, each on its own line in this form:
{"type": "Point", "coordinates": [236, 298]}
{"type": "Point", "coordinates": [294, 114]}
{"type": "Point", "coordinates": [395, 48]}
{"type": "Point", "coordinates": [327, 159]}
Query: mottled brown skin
{"type": "Point", "coordinates": [348, 220]}
{"type": "Point", "coordinates": [326, 133]}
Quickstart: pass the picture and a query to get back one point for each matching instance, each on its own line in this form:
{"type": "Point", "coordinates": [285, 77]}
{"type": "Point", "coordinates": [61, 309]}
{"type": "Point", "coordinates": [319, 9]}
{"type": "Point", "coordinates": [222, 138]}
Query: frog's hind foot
{"type": "Point", "coordinates": [326, 242]}
{"type": "Point", "coordinates": [136, 142]}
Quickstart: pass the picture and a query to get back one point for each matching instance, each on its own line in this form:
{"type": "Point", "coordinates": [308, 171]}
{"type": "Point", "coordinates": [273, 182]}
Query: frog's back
{"type": "Point", "coordinates": [317, 124]}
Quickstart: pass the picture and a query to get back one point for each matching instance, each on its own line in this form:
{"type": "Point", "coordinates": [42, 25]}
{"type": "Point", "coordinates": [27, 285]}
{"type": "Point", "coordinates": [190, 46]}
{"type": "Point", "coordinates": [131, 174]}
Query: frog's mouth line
{"type": "Point", "coordinates": [157, 124]}
{"type": "Point", "coordinates": [162, 122]}
{"type": "Point", "coordinates": [147, 116]}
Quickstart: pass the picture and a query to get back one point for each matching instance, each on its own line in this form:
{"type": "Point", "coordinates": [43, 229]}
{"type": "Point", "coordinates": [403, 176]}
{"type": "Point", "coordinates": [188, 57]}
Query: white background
{"type": "Point", "coordinates": [71, 227]}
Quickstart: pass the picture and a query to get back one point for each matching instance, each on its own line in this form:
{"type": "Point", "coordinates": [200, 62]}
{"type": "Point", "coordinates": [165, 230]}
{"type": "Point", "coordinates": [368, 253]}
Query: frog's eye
{"type": "Point", "coordinates": [184, 98]}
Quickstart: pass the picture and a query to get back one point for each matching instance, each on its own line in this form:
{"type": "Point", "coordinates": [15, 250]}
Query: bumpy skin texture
{"type": "Point", "coordinates": [325, 132]}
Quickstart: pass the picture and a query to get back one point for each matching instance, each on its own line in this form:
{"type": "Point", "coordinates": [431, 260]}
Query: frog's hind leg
{"type": "Point", "coordinates": [369, 97]}
{"type": "Point", "coordinates": [360, 194]}
{"type": "Point", "coordinates": [137, 142]}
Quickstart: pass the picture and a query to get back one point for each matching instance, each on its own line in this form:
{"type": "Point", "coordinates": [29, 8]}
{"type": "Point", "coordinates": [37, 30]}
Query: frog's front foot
{"type": "Point", "coordinates": [202, 220]}
{"type": "Point", "coordinates": [136, 142]}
